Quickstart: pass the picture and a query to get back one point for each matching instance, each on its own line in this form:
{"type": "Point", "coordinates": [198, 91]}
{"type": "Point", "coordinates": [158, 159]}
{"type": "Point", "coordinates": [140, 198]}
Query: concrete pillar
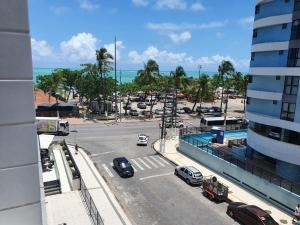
{"type": "Point", "coordinates": [20, 195]}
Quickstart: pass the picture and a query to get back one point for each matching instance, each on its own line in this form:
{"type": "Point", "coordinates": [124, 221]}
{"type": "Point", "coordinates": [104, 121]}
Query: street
{"type": "Point", "coordinates": [154, 195]}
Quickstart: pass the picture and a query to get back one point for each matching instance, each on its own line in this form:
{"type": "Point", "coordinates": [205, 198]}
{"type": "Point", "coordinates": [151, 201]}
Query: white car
{"type": "Point", "coordinates": [142, 139]}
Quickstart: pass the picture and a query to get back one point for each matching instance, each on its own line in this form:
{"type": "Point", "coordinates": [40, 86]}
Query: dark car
{"type": "Point", "coordinates": [249, 214]}
{"type": "Point", "coordinates": [123, 167]}
{"type": "Point", "coordinates": [142, 105]}
{"type": "Point", "coordinates": [133, 112]}
{"type": "Point", "coordinates": [216, 109]}
{"type": "Point", "coordinates": [187, 110]}
{"type": "Point", "coordinates": [201, 109]}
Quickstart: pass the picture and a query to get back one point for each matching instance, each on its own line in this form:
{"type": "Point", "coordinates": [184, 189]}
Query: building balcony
{"type": "Point", "coordinates": [262, 1]}
{"type": "Point", "coordinates": [273, 8]}
{"type": "Point", "coordinates": [267, 95]}
{"type": "Point", "coordinates": [272, 121]}
{"type": "Point", "coordinates": [270, 46]}
{"type": "Point", "coordinates": [273, 148]}
{"type": "Point", "coordinates": [275, 71]}
{"type": "Point", "coordinates": [273, 20]}
{"type": "Point", "coordinates": [269, 59]}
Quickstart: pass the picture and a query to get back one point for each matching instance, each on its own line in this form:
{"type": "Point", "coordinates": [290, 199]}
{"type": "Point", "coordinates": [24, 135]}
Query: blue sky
{"type": "Point", "coordinates": [66, 33]}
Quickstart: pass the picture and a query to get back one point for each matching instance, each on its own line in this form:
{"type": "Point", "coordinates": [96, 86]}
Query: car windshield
{"type": "Point", "coordinates": [124, 164]}
{"type": "Point", "coordinates": [142, 137]}
{"type": "Point", "coordinates": [267, 219]}
{"type": "Point", "coordinates": [197, 175]}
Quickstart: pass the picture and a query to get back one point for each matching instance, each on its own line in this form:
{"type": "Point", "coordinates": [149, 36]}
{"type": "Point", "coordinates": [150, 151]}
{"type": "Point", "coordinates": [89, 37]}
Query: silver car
{"type": "Point", "coordinates": [190, 174]}
{"type": "Point", "coordinates": [142, 139]}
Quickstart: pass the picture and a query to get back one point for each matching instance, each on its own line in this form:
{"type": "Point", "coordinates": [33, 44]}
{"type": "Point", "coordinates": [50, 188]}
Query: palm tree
{"type": "Point", "coordinates": [180, 81]}
{"type": "Point", "coordinates": [225, 69]}
{"type": "Point", "coordinates": [147, 77]}
{"type": "Point", "coordinates": [104, 62]}
{"type": "Point", "coordinates": [203, 83]}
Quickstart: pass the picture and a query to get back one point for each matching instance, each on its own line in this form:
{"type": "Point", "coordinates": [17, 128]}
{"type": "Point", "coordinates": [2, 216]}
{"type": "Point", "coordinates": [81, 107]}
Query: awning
{"type": "Point", "coordinates": [45, 140]}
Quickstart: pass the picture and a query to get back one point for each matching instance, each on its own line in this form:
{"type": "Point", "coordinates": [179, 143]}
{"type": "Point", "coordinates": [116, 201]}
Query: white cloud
{"type": "Point", "coordinates": [182, 37]}
{"type": "Point", "coordinates": [58, 10]}
{"type": "Point", "coordinates": [185, 26]}
{"type": "Point", "coordinates": [111, 48]}
{"type": "Point", "coordinates": [87, 5]}
{"type": "Point", "coordinates": [79, 48]}
{"type": "Point", "coordinates": [170, 4]}
{"type": "Point", "coordinates": [140, 2]}
{"type": "Point", "coordinates": [166, 58]}
{"type": "Point", "coordinates": [41, 49]}
{"type": "Point", "coordinates": [197, 7]}
{"type": "Point", "coordinates": [246, 21]}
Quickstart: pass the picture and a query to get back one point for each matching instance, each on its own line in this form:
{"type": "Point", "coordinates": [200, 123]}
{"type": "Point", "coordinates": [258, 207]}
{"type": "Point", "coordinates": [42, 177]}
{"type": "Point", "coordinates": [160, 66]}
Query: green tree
{"type": "Point", "coordinates": [225, 69]}
{"type": "Point", "coordinates": [202, 89]}
{"type": "Point", "coordinates": [147, 78]}
{"type": "Point", "coordinates": [69, 78]}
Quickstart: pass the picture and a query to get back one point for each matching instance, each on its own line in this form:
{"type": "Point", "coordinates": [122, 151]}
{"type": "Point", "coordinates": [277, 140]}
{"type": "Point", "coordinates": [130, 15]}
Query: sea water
{"type": "Point", "coordinates": [126, 75]}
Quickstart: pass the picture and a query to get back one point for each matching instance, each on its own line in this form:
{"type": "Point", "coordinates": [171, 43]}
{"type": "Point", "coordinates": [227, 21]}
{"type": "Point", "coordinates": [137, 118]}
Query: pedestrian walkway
{"type": "Point", "coordinates": [140, 164]}
{"type": "Point", "coordinates": [168, 149]}
{"type": "Point", "coordinates": [105, 201]}
{"type": "Point", "coordinates": [66, 208]}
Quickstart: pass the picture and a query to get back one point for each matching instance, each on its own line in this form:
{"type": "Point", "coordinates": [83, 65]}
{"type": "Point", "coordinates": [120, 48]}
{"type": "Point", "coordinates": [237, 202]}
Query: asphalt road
{"type": "Point", "coordinates": [154, 196]}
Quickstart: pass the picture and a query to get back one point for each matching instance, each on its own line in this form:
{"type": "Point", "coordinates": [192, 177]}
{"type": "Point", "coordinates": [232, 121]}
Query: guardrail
{"type": "Point", "coordinates": [87, 199]}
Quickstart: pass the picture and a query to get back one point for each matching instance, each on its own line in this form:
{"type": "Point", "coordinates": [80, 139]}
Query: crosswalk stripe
{"type": "Point", "coordinates": [162, 159]}
{"type": "Point", "coordinates": [135, 170]}
{"type": "Point", "coordinates": [156, 160]}
{"type": "Point", "coordinates": [152, 163]}
{"type": "Point", "coordinates": [107, 170]}
{"type": "Point", "coordinates": [143, 162]}
{"type": "Point", "coordinates": [137, 164]}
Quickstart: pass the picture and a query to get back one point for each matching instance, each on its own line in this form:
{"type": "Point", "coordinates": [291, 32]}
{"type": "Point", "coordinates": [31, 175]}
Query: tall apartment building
{"type": "Point", "coordinates": [273, 103]}
{"type": "Point", "coordinates": [20, 178]}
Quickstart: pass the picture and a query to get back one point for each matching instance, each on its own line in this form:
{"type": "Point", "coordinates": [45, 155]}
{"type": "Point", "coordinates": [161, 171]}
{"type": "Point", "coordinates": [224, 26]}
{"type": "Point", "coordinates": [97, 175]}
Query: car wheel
{"type": "Point", "coordinates": [230, 213]}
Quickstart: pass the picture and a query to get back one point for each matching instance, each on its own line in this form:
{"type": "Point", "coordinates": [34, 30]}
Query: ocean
{"type": "Point", "coordinates": [126, 75]}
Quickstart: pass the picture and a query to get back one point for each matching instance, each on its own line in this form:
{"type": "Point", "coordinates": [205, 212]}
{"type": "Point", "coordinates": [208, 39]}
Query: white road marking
{"type": "Point", "coordinates": [162, 159]}
{"type": "Point", "coordinates": [135, 170]}
{"type": "Point", "coordinates": [102, 153]}
{"type": "Point", "coordinates": [153, 176]}
{"type": "Point", "coordinates": [152, 163]}
{"type": "Point", "coordinates": [111, 164]}
{"type": "Point", "coordinates": [156, 160]}
{"type": "Point", "coordinates": [107, 170]}
{"type": "Point", "coordinates": [137, 164]}
{"type": "Point", "coordinates": [143, 162]}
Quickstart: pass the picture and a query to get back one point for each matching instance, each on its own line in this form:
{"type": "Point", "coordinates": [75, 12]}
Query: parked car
{"type": "Point", "coordinates": [178, 123]}
{"type": "Point", "coordinates": [142, 105]}
{"type": "Point", "coordinates": [128, 107]}
{"type": "Point", "coordinates": [187, 110]}
{"type": "Point", "coordinates": [217, 109]}
{"type": "Point", "coordinates": [169, 104]}
{"type": "Point", "coordinates": [123, 167]}
{"type": "Point", "coordinates": [146, 113]}
{"type": "Point", "coordinates": [231, 97]}
{"type": "Point", "coordinates": [180, 111]}
{"type": "Point", "coordinates": [159, 112]}
{"type": "Point", "coordinates": [201, 109]}
{"type": "Point", "coordinates": [249, 214]}
{"type": "Point", "coordinates": [142, 139]}
{"type": "Point", "coordinates": [190, 174]}
{"type": "Point", "coordinates": [133, 112]}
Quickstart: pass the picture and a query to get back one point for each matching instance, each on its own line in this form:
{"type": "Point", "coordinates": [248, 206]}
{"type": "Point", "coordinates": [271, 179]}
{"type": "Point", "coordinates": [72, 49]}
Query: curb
{"type": "Point", "coordinates": [160, 154]}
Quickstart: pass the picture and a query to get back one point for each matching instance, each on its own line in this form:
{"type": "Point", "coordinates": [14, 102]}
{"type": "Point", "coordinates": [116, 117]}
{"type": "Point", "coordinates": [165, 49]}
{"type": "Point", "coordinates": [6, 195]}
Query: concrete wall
{"type": "Point", "coordinates": [20, 198]}
{"type": "Point", "coordinates": [242, 177]}
{"type": "Point", "coordinates": [274, 8]}
{"type": "Point", "coordinates": [273, 34]}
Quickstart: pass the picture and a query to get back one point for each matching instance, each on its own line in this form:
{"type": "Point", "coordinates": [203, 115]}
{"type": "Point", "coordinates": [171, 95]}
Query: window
{"type": "Point", "coordinates": [297, 5]}
{"type": "Point", "coordinates": [295, 33]}
{"type": "Point", "coordinates": [284, 26]}
{"type": "Point", "coordinates": [252, 56]}
{"type": "Point", "coordinates": [274, 102]}
{"type": "Point", "coordinates": [294, 57]}
{"type": "Point", "coordinates": [250, 79]}
{"type": "Point", "coordinates": [280, 52]}
{"type": "Point", "coordinates": [257, 9]}
{"type": "Point", "coordinates": [288, 111]}
{"type": "Point", "coordinates": [277, 77]}
{"type": "Point", "coordinates": [291, 85]}
{"type": "Point", "coordinates": [254, 34]}
{"type": "Point", "coordinates": [248, 101]}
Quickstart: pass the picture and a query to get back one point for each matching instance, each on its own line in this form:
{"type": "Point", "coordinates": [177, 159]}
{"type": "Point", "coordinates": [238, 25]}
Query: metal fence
{"type": "Point", "coordinates": [245, 164]}
{"type": "Point", "coordinates": [87, 199]}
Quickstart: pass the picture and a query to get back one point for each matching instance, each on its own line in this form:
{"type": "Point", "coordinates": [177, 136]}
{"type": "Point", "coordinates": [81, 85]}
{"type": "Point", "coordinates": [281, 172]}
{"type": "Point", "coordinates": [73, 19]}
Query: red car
{"type": "Point", "coordinates": [249, 214]}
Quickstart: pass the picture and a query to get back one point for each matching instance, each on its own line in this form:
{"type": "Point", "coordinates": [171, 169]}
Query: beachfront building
{"type": "Point", "coordinates": [21, 195]}
{"type": "Point", "coordinates": [273, 98]}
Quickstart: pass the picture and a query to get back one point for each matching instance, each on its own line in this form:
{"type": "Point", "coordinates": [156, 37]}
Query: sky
{"type": "Point", "coordinates": [66, 33]}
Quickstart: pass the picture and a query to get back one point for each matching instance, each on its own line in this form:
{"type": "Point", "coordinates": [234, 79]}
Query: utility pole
{"type": "Point", "coordinates": [120, 113]}
{"type": "Point", "coordinates": [225, 112]}
{"type": "Point", "coordinates": [199, 74]}
{"type": "Point", "coordinates": [163, 128]}
{"type": "Point", "coordinates": [116, 98]}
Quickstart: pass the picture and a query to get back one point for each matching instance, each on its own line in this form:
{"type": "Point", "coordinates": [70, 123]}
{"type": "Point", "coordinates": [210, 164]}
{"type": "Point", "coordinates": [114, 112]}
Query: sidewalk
{"type": "Point", "coordinates": [236, 193]}
{"type": "Point", "coordinates": [105, 201]}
